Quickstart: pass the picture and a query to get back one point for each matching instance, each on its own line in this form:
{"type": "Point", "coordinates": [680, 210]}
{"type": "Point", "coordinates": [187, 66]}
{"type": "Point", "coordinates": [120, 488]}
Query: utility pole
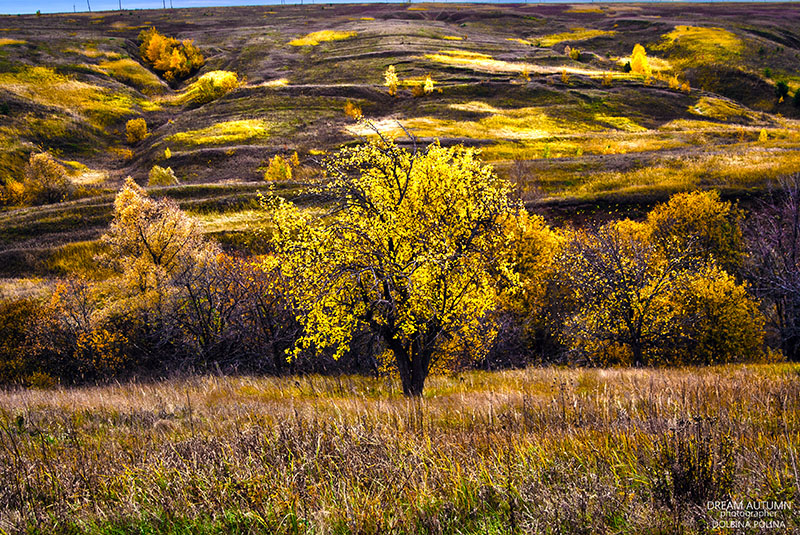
{"type": "Point", "coordinates": [89, 6]}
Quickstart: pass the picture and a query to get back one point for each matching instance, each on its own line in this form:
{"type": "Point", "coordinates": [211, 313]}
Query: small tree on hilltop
{"type": "Point", "coordinates": [411, 254]}
{"type": "Point", "coordinates": [390, 80]}
{"type": "Point", "coordinates": [639, 63]}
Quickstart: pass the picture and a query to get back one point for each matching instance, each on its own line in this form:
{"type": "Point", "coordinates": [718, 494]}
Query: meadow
{"type": "Point", "coordinates": [536, 450]}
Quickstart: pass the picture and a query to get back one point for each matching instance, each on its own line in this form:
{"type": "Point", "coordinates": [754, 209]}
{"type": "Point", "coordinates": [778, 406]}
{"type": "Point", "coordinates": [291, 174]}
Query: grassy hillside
{"type": "Point", "coordinates": [526, 451]}
{"type": "Point", "coordinates": [571, 128]}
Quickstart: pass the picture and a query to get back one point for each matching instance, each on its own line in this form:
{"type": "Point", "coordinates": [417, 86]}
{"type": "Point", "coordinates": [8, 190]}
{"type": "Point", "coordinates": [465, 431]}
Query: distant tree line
{"type": "Point", "coordinates": [425, 263]}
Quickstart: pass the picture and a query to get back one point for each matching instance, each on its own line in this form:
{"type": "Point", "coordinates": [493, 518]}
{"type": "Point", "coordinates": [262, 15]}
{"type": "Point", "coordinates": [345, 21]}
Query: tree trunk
{"type": "Point", "coordinates": [413, 369]}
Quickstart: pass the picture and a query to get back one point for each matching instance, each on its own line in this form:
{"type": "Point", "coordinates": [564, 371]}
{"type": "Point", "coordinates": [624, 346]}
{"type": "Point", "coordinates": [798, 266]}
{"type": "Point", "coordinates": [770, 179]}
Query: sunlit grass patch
{"type": "Point", "coordinates": [130, 72]}
{"type": "Point", "coordinates": [576, 34]}
{"type": "Point", "coordinates": [485, 63]}
{"type": "Point", "coordinates": [23, 288]}
{"type": "Point", "coordinates": [223, 133]}
{"type": "Point", "coordinates": [315, 38]}
{"type": "Point", "coordinates": [575, 9]}
{"type": "Point", "coordinates": [231, 221]}
{"type": "Point", "coordinates": [520, 41]}
{"type": "Point", "coordinates": [5, 41]}
{"type": "Point", "coordinates": [724, 110]}
{"type": "Point", "coordinates": [44, 86]}
{"type": "Point", "coordinates": [91, 51]}
{"type": "Point", "coordinates": [625, 124]}
{"type": "Point", "coordinates": [697, 44]}
{"type": "Point", "coordinates": [738, 167]}
{"type": "Point", "coordinates": [210, 86]}
{"type": "Point", "coordinates": [477, 61]}
{"type": "Point", "coordinates": [452, 38]}
{"type": "Point", "coordinates": [79, 258]}
{"type": "Point", "coordinates": [280, 82]}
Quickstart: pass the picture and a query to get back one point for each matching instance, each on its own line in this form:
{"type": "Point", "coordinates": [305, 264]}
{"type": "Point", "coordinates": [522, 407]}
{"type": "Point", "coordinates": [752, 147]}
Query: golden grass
{"type": "Point", "coordinates": [44, 86]}
{"type": "Point", "coordinates": [452, 38]}
{"type": "Point", "coordinates": [695, 44]}
{"type": "Point", "coordinates": [232, 221]}
{"type": "Point", "coordinates": [23, 288]}
{"type": "Point", "coordinates": [582, 9]}
{"type": "Point", "coordinates": [228, 132]}
{"type": "Point", "coordinates": [131, 72]}
{"type": "Point", "coordinates": [575, 34]}
{"type": "Point", "coordinates": [345, 454]}
{"type": "Point", "coordinates": [724, 110]}
{"type": "Point", "coordinates": [4, 41]}
{"type": "Point", "coordinates": [315, 38]}
{"type": "Point", "coordinates": [485, 63]}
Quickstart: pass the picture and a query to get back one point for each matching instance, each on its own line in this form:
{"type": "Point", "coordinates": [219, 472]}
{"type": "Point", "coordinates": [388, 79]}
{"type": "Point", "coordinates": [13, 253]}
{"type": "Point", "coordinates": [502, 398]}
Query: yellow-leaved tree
{"type": "Point", "coordinates": [639, 63]}
{"type": "Point", "coordinates": [411, 254]}
{"type": "Point", "coordinates": [151, 241]}
{"type": "Point", "coordinates": [390, 80]}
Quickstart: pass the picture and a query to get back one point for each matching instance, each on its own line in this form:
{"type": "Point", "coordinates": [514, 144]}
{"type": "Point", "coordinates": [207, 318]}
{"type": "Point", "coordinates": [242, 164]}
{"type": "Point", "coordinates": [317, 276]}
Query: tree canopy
{"type": "Point", "coordinates": [410, 253]}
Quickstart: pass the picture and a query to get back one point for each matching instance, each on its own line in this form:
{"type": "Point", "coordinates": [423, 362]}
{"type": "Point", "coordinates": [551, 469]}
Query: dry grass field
{"type": "Point", "coordinates": [539, 450]}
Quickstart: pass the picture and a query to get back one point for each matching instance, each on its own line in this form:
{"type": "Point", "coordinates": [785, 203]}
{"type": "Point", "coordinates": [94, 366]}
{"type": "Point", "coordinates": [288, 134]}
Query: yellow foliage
{"type": "Point", "coordinates": [160, 176]}
{"type": "Point", "coordinates": [390, 80]}
{"type": "Point", "coordinates": [724, 322]}
{"type": "Point", "coordinates": [699, 222]}
{"type": "Point", "coordinates": [409, 255]}
{"type": "Point", "coordinates": [639, 63]}
{"type": "Point", "coordinates": [315, 38]}
{"type": "Point", "coordinates": [174, 59]}
{"type": "Point", "coordinates": [279, 170]}
{"type": "Point", "coordinates": [352, 110]}
{"type": "Point", "coordinates": [428, 86]}
{"type": "Point", "coordinates": [211, 86]}
{"type": "Point", "coordinates": [136, 130]}
{"type": "Point", "coordinates": [762, 135]}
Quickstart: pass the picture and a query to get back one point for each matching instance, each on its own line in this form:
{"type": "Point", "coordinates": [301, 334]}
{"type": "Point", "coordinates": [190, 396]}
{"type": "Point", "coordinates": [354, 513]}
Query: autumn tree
{"type": "Point", "coordinates": [46, 180]}
{"type": "Point", "coordinates": [639, 62]}
{"type": "Point", "coordinates": [619, 285]}
{"type": "Point", "coordinates": [173, 59]}
{"type": "Point", "coordinates": [151, 241]}
{"type": "Point", "coordinates": [773, 262]}
{"type": "Point", "coordinates": [701, 224]}
{"type": "Point", "coordinates": [410, 253]}
{"type": "Point", "coordinates": [390, 80]}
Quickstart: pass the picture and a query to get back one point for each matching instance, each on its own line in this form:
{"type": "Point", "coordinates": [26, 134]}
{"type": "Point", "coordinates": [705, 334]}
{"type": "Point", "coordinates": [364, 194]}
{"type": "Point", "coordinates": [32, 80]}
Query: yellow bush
{"type": "Point", "coordinates": [211, 86]}
{"type": "Point", "coordinates": [279, 170]}
{"type": "Point", "coordinates": [161, 176]}
{"type": "Point", "coordinates": [390, 80]}
{"type": "Point", "coordinates": [136, 130]}
{"type": "Point", "coordinates": [722, 320]}
{"type": "Point", "coordinates": [173, 59]}
{"type": "Point", "coordinates": [46, 180]}
{"type": "Point", "coordinates": [352, 110]}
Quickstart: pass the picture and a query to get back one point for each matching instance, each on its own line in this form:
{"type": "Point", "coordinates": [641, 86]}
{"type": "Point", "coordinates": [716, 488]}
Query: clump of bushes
{"type": "Point", "coordinates": [46, 181]}
{"type": "Point", "coordinates": [174, 60]}
{"type": "Point", "coordinates": [162, 176]}
{"type": "Point", "coordinates": [136, 130]}
{"type": "Point", "coordinates": [211, 86]}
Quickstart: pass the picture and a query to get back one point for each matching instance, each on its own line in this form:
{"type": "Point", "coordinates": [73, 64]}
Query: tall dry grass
{"type": "Point", "coordinates": [531, 451]}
